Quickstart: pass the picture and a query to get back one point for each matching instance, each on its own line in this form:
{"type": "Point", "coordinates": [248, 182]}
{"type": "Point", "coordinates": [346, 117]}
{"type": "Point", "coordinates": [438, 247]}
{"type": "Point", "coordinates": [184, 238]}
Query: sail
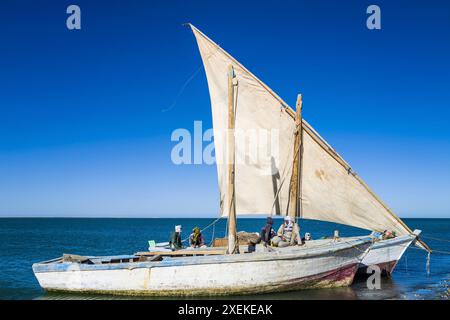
{"type": "Point", "coordinates": [264, 133]}
{"type": "Point", "coordinates": [330, 190]}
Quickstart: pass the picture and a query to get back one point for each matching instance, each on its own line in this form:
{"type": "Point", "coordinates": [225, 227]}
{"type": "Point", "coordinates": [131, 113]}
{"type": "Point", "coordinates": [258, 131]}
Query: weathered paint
{"type": "Point", "coordinates": [385, 254]}
{"type": "Point", "coordinates": [335, 278]}
{"type": "Point", "coordinates": [292, 268]}
{"type": "Point", "coordinates": [386, 269]}
{"type": "Point", "coordinates": [287, 253]}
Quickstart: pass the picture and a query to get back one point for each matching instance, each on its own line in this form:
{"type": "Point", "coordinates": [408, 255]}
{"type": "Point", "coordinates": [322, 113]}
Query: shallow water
{"type": "Point", "coordinates": [26, 241]}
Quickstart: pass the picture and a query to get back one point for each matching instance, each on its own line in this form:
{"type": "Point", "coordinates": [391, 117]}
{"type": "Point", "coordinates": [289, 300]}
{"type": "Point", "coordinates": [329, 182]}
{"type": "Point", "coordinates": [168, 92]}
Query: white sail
{"type": "Point", "coordinates": [263, 135]}
{"type": "Point", "coordinates": [330, 190]}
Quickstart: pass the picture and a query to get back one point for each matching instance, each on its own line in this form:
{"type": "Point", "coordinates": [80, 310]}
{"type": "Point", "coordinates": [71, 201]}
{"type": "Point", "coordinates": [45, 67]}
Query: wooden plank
{"type": "Point", "coordinates": [74, 258]}
{"type": "Point", "coordinates": [182, 252]}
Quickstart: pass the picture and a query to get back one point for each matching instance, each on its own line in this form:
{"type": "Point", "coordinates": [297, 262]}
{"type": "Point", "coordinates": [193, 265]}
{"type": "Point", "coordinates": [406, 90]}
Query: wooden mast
{"type": "Point", "coordinates": [294, 209]}
{"type": "Point", "coordinates": [233, 246]}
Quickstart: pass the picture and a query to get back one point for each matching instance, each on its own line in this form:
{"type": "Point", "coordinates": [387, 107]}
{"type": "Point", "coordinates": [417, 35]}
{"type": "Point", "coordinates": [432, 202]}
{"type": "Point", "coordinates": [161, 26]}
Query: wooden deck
{"type": "Point", "coordinates": [183, 252]}
{"type": "Point", "coordinates": [242, 249]}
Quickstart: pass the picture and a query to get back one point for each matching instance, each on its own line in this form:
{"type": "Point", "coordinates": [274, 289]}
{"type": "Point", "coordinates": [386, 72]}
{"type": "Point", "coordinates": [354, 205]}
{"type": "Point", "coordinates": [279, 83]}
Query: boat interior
{"type": "Point", "coordinates": [218, 248]}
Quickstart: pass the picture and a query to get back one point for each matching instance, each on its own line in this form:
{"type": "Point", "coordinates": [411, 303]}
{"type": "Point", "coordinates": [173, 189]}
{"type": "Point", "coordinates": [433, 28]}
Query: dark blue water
{"type": "Point", "coordinates": [25, 241]}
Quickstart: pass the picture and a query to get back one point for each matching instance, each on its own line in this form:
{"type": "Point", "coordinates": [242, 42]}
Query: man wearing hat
{"type": "Point", "coordinates": [196, 239]}
{"type": "Point", "coordinates": [288, 234]}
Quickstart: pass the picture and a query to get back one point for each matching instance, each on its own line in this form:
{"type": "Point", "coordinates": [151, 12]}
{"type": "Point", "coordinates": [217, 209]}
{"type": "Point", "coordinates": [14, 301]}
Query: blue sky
{"type": "Point", "coordinates": [82, 127]}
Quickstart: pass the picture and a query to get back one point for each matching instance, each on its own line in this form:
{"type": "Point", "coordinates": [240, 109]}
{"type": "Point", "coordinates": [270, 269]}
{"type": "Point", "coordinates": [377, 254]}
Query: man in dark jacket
{"type": "Point", "coordinates": [175, 239]}
{"type": "Point", "coordinates": [267, 232]}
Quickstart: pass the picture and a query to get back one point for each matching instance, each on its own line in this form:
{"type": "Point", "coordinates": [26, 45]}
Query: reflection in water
{"type": "Point", "coordinates": [388, 290]}
{"type": "Point", "coordinates": [357, 291]}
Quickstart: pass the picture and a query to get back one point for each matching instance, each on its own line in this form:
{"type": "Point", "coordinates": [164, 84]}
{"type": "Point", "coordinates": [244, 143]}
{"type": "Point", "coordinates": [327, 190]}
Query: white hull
{"type": "Point", "coordinates": [386, 253]}
{"type": "Point", "coordinates": [287, 269]}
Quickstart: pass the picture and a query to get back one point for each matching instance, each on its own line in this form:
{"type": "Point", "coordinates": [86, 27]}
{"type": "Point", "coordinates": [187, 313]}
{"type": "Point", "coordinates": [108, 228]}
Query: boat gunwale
{"type": "Point", "coordinates": [393, 241]}
{"type": "Point", "coordinates": [43, 267]}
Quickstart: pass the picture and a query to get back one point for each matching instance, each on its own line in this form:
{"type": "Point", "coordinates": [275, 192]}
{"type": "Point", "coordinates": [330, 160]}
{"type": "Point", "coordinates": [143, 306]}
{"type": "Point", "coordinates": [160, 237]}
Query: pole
{"type": "Point", "coordinates": [233, 246]}
{"type": "Point", "coordinates": [294, 207]}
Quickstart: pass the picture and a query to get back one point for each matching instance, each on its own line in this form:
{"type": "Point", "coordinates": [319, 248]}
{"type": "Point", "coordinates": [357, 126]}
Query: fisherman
{"type": "Point", "coordinates": [267, 233]}
{"type": "Point", "coordinates": [196, 239]}
{"type": "Point", "coordinates": [288, 234]}
{"type": "Point", "coordinates": [175, 239]}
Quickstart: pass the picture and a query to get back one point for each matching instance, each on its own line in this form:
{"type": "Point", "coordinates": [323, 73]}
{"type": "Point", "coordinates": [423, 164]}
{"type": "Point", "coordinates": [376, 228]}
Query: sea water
{"type": "Point", "coordinates": [24, 241]}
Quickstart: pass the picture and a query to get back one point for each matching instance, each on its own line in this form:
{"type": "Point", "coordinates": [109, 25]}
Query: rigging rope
{"type": "Point", "coordinates": [434, 250]}
{"type": "Point", "coordinates": [285, 175]}
{"type": "Point", "coordinates": [213, 235]}
{"type": "Point", "coordinates": [433, 238]}
{"type": "Point", "coordinates": [406, 263]}
{"type": "Point", "coordinates": [183, 87]}
{"type": "Point", "coordinates": [205, 228]}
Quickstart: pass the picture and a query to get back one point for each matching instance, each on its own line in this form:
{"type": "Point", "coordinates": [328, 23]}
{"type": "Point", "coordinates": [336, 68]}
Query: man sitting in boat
{"type": "Point", "coordinates": [288, 234]}
{"type": "Point", "coordinates": [175, 239]}
{"type": "Point", "coordinates": [267, 233]}
{"type": "Point", "coordinates": [196, 239]}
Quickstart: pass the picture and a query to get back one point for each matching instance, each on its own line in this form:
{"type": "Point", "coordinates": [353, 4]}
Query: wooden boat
{"type": "Point", "coordinates": [208, 272]}
{"type": "Point", "coordinates": [297, 174]}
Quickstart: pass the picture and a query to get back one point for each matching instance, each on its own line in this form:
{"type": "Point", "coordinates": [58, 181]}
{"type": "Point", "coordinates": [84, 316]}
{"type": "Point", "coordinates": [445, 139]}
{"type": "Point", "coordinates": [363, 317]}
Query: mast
{"type": "Point", "coordinates": [294, 209]}
{"type": "Point", "coordinates": [233, 246]}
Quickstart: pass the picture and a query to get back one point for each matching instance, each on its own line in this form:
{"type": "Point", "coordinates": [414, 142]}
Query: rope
{"type": "Point", "coordinates": [213, 235]}
{"type": "Point", "coordinates": [183, 87]}
{"type": "Point", "coordinates": [433, 238]}
{"type": "Point", "coordinates": [284, 177]}
{"type": "Point", "coordinates": [438, 251]}
{"type": "Point", "coordinates": [205, 228]}
{"type": "Point", "coordinates": [406, 263]}
{"type": "Point", "coordinates": [434, 251]}
{"type": "Point", "coordinates": [341, 240]}
{"type": "Point", "coordinates": [366, 252]}
{"type": "Point", "coordinates": [212, 223]}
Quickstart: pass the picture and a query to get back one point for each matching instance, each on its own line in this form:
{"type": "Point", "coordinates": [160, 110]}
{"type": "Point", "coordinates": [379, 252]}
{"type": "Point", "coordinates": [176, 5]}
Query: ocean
{"type": "Point", "coordinates": [25, 241]}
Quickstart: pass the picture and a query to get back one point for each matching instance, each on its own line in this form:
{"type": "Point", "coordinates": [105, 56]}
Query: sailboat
{"type": "Point", "coordinates": [297, 174]}
{"type": "Point", "coordinates": [327, 188]}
